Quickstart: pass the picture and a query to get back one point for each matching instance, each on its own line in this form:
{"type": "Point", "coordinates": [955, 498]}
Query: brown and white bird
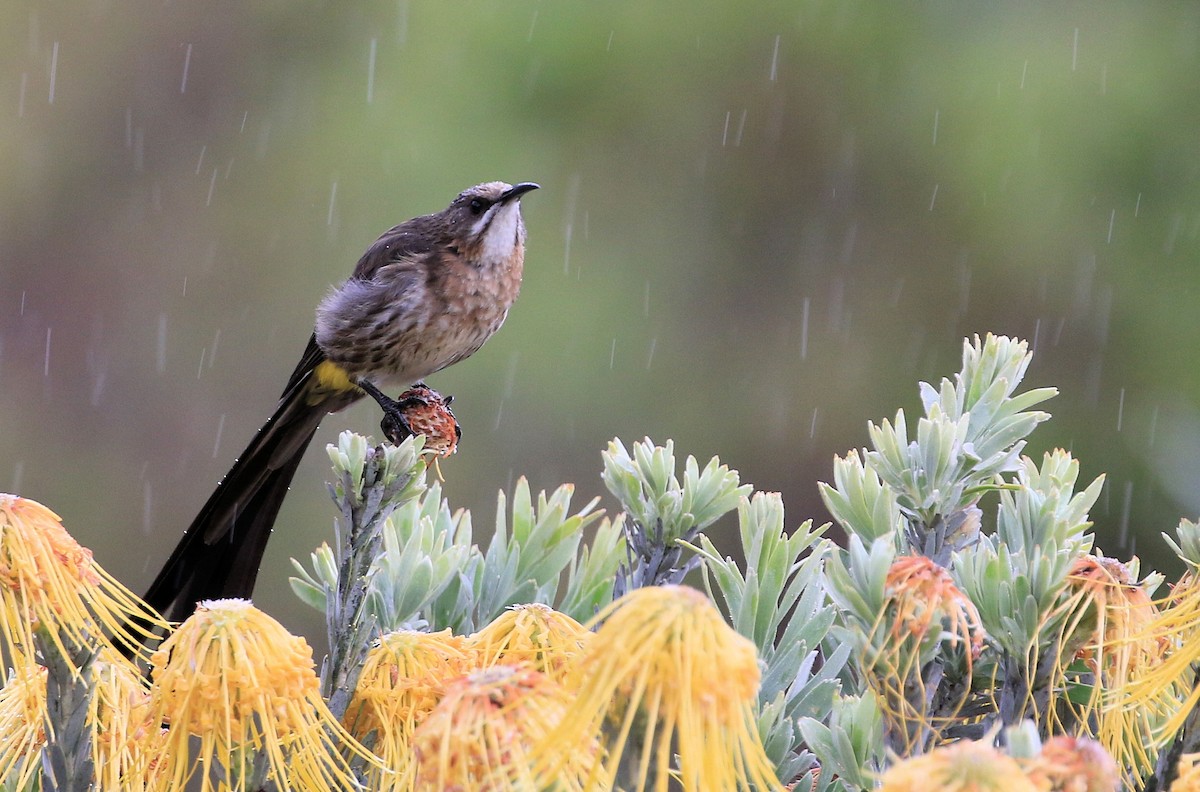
{"type": "Point", "coordinates": [425, 295]}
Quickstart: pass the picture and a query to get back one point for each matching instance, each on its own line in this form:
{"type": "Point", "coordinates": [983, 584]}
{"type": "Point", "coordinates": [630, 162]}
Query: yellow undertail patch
{"type": "Point", "coordinates": [330, 376]}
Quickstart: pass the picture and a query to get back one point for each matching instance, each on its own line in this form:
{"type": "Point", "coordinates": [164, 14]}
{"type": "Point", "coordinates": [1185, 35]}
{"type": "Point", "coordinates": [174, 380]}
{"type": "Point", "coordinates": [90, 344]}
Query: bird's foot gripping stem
{"type": "Point", "coordinates": [419, 411]}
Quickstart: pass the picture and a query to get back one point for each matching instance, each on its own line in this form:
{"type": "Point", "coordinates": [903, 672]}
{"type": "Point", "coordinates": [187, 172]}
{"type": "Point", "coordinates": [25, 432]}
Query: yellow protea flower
{"type": "Point", "coordinates": [967, 766]}
{"type": "Point", "coordinates": [402, 680]}
{"type": "Point", "coordinates": [232, 684]}
{"type": "Point", "coordinates": [666, 677]}
{"type": "Point", "coordinates": [1073, 764]}
{"type": "Point", "coordinates": [1188, 774]}
{"type": "Point", "coordinates": [536, 635]}
{"type": "Point", "coordinates": [1165, 688]}
{"type": "Point", "coordinates": [1108, 631]}
{"type": "Point", "coordinates": [48, 580]}
{"type": "Point", "coordinates": [123, 734]}
{"type": "Point", "coordinates": [22, 724]}
{"type": "Point", "coordinates": [481, 735]}
{"type": "Point", "coordinates": [923, 608]}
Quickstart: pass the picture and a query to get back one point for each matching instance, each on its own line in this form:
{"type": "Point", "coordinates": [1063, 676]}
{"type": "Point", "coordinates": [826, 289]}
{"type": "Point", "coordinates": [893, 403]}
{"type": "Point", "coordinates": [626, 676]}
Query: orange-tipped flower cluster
{"type": "Point", "coordinates": [482, 734]}
{"type": "Point", "coordinates": [48, 580]}
{"type": "Point", "coordinates": [1065, 764]}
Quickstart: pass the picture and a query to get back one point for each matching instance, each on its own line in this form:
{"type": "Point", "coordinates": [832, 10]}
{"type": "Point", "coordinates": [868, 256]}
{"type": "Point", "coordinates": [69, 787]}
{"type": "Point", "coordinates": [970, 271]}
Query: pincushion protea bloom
{"type": "Point", "coordinates": [967, 766]}
{"type": "Point", "coordinates": [535, 635]}
{"type": "Point", "coordinates": [1109, 629]}
{"type": "Point", "coordinates": [123, 734]}
{"type": "Point", "coordinates": [22, 724]}
{"type": "Point", "coordinates": [233, 685]}
{"type": "Point", "coordinates": [48, 580]}
{"type": "Point", "coordinates": [402, 680]}
{"type": "Point", "coordinates": [923, 608]}
{"type": "Point", "coordinates": [481, 735]}
{"type": "Point", "coordinates": [666, 666]}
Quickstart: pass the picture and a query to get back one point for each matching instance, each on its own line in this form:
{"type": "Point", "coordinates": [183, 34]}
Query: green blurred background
{"type": "Point", "coordinates": [760, 225]}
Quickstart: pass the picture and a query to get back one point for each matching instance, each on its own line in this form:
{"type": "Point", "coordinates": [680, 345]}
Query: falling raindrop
{"type": "Point", "coordinates": [245, 115]}
{"type": "Point", "coordinates": [217, 439]}
{"type": "Point", "coordinates": [1112, 218]}
{"type": "Point", "coordinates": [46, 364]}
{"type": "Point", "coordinates": [608, 46]}
{"type": "Point", "coordinates": [612, 355]}
{"type": "Point", "coordinates": [775, 60]}
{"type": "Point", "coordinates": [332, 203]}
{"type": "Point", "coordinates": [725, 131]}
{"type": "Point", "coordinates": [22, 312]}
{"type": "Point", "coordinates": [187, 62]}
{"type": "Point", "coordinates": [213, 348]}
{"type": "Point", "coordinates": [1075, 51]}
{"type": "Point", "coordinates": [21, 95]}
{"type": "Point", "coordinates": [936, 116]}
{"type": "Point", "coordinates": [1137, 206]}
{"type": "Point", "coordinates": [18, 475]}
{"type": "Point", "coordinates": [1037, 330]}
{"type": "Point", "coordinates": [650, 356]}
{"type": "Point", "coordinates": [812, 425]}
{"type": "Point", "coordinates": [933, 199]}
{"type": "Point", "coordinates": [532, 25]}
{"type": "Point", "coordinates": [212, 184]}
{"type": "Point", "coordinates": [53, 71]}
{"type": "Point", "coordinates": [200, 161]}
{"type": "Point", "coordinates": [128, 127]}
{"type": "Point", "coordinates": [737, 138]}
{"type": "Point", "coordinates": [200, 368]}
{"type": "Point", "coordinates": [1120, 409]}
{"type": "Point", "coordinates": [1024, 71]}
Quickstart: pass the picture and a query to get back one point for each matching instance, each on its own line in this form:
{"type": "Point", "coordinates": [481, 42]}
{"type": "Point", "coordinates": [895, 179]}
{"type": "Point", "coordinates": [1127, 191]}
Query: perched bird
{"type": "Point", "coordinates": [425, 295]}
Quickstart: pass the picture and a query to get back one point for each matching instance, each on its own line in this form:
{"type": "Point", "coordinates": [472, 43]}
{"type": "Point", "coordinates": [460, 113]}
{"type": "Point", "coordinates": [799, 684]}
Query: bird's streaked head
{"type": "Point", "coordinates": [486, 220]}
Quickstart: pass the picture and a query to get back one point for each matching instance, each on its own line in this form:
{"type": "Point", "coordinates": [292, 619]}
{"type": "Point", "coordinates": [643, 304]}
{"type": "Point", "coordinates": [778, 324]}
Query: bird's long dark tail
{"type": "Point", "coordinates": [220, 554]}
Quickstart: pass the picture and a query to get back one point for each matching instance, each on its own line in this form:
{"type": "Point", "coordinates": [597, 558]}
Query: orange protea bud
{"type": "Point", "coordinates": [665, 660]}
{"type": "Point", "coordinates": [427, 413]}
{"type": "Point", "coordinates": [925, 600]}
{"type": "Point", "coordinates": [967, 766]}
{"type": "Point", "coordinates": [47, 579]}
{"type": "Point", "coordinates": [402, 680]}
{"type": "Point", "coordinates": [1073, 764]}
{"type": "Point", "coordinates": [233, 684]}
{"type": "Point", "coordinates": [534, 635]}
{"type": "Point", "coordinates": [922, 610]}
{"type": "Point", "coordinates": [481, 735]}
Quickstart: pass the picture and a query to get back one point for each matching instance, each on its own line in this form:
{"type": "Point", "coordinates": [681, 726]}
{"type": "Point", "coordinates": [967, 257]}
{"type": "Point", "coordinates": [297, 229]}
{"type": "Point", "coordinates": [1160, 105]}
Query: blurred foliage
{"type": "Point", "coordinates": [758, 224]}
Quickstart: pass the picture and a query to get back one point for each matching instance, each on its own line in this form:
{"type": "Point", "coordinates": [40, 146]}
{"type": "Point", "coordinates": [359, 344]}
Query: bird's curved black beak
{"type": "Point", "coordinates": [516, 191]}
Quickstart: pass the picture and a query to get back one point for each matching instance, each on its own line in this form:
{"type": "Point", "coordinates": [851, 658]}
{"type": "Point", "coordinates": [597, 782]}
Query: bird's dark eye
{"type": "Point", "coordinates": [477, 206]}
